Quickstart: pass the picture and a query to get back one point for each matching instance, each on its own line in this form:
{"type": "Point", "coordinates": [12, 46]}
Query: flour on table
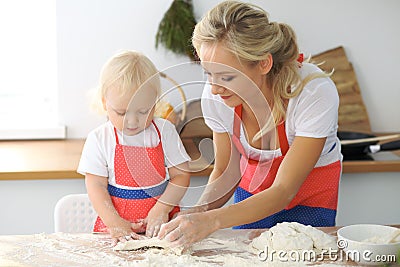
{"type": "Point", "coordinates": [223, 248]}
{"type": "Point", "coordinates": [294, 236]}
{"type": "Point", "coordinates": [153, 242]}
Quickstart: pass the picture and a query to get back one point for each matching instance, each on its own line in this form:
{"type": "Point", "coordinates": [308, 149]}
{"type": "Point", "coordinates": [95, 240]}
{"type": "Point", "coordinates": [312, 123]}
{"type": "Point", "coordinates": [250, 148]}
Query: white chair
{"type": "Point", "coordinates": [74, 214]}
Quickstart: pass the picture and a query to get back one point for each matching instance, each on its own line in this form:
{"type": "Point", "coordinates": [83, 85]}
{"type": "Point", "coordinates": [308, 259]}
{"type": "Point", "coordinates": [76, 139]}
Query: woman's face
{"type": "Point", "coordinates": [131, 113]}
{"type": "Point", "coordinates": [234, 81]}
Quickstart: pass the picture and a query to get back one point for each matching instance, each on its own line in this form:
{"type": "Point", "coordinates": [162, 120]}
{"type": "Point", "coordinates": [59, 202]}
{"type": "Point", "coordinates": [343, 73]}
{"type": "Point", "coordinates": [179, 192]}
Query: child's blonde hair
{"type": "Point", "coordinates": [126, 71]}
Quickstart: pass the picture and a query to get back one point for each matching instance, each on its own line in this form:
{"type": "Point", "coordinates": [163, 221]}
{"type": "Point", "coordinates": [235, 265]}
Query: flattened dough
{"type": "Point", "coordinates": [153, 242]}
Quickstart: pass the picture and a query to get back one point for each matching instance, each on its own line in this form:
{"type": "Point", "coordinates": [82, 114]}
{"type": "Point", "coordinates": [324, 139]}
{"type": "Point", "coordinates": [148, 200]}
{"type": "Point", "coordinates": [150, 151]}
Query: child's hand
{"type": "Point", "coordinates": [123, 231]}
{"type": "Point", "coordinates": [139, 226]}
{"type": "Point", "coordinates": [156, 217]}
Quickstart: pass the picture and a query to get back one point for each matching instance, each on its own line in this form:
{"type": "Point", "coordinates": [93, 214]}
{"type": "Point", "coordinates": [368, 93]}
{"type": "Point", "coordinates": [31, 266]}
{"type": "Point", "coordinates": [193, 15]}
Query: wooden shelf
{"type": "Point", "coordinates": [44, 159]}
{"type": "Point", "coordinates": [59, 159]}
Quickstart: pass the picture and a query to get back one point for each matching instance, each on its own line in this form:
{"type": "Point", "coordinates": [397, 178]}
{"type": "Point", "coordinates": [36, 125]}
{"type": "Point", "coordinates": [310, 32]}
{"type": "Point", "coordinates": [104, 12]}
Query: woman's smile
{"type": "Point", "coordinates": [225, 97]}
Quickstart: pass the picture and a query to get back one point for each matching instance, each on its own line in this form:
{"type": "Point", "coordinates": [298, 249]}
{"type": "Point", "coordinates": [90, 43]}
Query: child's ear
{"type": "Point", "coordinates": [266, 64]}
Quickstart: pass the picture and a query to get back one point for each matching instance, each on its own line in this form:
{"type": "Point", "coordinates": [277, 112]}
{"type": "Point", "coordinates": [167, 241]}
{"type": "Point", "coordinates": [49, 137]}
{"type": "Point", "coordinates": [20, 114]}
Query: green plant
{"type": "Point", "coordinates": [176, 28]}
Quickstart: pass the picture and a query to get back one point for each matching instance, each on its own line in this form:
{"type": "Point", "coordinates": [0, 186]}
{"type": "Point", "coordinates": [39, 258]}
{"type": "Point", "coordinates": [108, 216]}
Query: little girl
{"type": "Point", "coordinates": [124, 159]}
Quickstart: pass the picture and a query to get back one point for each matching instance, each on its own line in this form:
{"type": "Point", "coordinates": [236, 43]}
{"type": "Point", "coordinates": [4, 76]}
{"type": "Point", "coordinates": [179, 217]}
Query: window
{"type": "Point", "coordinates": [28, 70]}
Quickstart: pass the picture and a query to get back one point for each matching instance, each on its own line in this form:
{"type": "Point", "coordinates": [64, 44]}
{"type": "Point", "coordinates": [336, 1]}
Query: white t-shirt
{"type": "Point", "coordinates": [313, 113]}
{"type": "Point", "coordinates": [98, 152]}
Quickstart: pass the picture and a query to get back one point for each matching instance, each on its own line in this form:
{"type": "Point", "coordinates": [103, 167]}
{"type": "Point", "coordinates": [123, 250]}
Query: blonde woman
{"type": "Point", "coordinates": [125, 159]}
{"type": "Point", "coordinates": [274, 122]}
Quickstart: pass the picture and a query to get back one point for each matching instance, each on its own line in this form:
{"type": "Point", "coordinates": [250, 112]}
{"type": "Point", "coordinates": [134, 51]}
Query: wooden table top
{"type": "Point", "coordinates": [85, 249]}
{"type": "Point", "coordinates": [61, 249]}
{"type": "Point", "coordinates": [59, 159]}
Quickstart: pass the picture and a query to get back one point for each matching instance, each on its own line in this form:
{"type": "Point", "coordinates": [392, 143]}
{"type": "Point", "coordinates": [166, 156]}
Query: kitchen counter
{"type": "Point", "coordinates": [223, 248]}
{"type": "Point", "coordinates": [58, 159]}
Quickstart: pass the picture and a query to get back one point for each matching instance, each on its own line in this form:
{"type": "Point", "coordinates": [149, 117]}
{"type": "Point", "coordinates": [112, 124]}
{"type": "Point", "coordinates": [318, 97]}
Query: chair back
{"type": "Point", "coordinates": [74, 214]}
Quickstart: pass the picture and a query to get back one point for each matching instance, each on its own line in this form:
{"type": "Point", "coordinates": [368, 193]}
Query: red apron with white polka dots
{"type": "Point", "coordinates": [141, 172]}
{"type": "Point", "coordinates": [314, 204]}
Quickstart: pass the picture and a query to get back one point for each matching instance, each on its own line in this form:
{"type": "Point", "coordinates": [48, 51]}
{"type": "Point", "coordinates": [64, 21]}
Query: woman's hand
{"type": "Point", "coordinates": [187, 229]}
{"type": "Point", "coordinates": [190, 211]}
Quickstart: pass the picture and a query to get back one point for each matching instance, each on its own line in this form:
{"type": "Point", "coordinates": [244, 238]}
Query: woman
{"type": "Point", "coordinates": [274, 122]}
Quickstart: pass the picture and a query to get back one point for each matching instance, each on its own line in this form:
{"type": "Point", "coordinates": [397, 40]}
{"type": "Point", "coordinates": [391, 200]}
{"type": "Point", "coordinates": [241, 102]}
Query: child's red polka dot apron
{"type": "Point", "coordinates": [314, 204]}
{"type": "Point", "coordinates": [142, 170]}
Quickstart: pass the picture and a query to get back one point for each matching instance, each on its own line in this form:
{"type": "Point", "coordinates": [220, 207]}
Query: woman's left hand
{"type": "Point", "coordinates": [187, 229]}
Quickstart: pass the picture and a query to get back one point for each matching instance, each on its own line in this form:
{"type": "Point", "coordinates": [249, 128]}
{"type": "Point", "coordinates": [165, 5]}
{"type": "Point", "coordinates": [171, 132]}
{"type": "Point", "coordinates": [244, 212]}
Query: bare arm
{"type": "Point", "coordinates": [96, 187]}
{"type": "Point", "coordinates": [173, 194]}
{"type": "Point", "coordinates": [294, 169]}
{"type": "Point", "coordinates": [299, 161]}
{"type": "Point", "coordinates": [225, 175]}
{"type": "Point", "coordinates": [177, 186]}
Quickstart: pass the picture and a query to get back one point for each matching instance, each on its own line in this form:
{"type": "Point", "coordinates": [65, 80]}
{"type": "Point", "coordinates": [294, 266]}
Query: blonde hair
{"type": "Point", "coordinates": [126, 71]}
{"type": "Point", "coordinates": [246, 31]}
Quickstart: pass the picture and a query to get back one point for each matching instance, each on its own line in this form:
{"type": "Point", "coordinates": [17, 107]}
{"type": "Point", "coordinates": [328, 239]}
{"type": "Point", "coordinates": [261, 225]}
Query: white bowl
{"type": "Point", "coordinates": [353, 240]}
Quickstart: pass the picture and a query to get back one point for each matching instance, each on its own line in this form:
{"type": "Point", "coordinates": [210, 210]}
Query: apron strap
{"type": "Point", "coordinates": [158, 131]}
{"type": "Point", "coordinates": [116, 136]}
{"type": "Point", "coordinates": [236, 121]}
{"type": "Point", "coordinates": [283, 142]}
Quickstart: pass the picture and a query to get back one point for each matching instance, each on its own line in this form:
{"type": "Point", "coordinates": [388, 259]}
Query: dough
{"type": "Point", "coordinates": [294, 236]}
{"type": "Point", "coordinates": [321, 240]}
{"type": "Point", "coordinates": [392, 237]}
{"type": "Point", "coordinates": [153, 242]}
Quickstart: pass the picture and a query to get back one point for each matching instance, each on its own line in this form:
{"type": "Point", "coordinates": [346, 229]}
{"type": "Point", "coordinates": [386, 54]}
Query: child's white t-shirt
{"type": "Point", "coordinates": [98, 152]}
{"type": "Point", "coordinates": [313, 113]}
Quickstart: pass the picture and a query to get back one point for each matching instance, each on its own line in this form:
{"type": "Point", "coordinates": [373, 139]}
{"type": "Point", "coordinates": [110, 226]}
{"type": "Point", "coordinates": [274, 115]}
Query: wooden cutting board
{"type": "Point", "coordinates": [353, 115]}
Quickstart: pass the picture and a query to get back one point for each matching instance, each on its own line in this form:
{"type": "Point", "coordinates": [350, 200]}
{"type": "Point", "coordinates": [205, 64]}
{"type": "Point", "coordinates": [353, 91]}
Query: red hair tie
{"type": "Point", "coordinates": [300, 59]}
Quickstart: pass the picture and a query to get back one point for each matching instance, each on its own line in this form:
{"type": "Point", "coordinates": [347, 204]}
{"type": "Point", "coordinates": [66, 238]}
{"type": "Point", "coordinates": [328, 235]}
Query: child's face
{"type": "Point", "coordinates": [131, 113]}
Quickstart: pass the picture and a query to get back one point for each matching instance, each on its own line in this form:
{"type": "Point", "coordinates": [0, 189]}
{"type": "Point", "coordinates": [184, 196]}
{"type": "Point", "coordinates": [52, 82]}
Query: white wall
{"type": "Point", "coordinates": [369, 198]}
{"type": "Point", "coordinates": [90, 31]}
{"type": "Point", "coordinates": [27, 206]}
